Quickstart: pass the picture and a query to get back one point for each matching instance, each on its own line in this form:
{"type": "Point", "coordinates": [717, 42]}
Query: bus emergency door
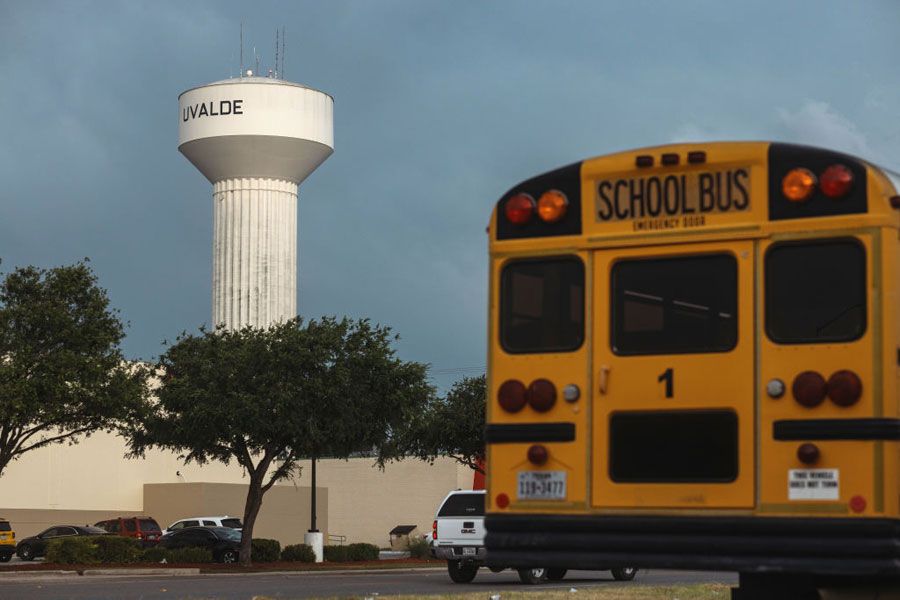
{"type": "Point", "coordinates": [673, 369]}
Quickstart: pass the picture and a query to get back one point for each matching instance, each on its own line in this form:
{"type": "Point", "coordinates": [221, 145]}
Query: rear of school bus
{"type": "Point", "coordinates": [693, 364]}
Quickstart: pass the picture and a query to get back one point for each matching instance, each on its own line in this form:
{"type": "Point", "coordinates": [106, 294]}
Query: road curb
{"type": "Point", "coordinates": [17, 575]}
{"type": "Point", "coordinates": [138, 572]}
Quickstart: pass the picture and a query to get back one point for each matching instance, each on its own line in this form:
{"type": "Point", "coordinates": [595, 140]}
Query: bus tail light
{"type": "Point", "coordinates": [511, 395]}
{"type": "Point", "coordinates": [836, 181]}
{"type": "Point", "coordinates": [844, 388]}
{"type": "Point", "coordinates": [552, 206]}
{"type": "Point", "coordinates": [519, 209]}
{"type": "Point", "coordinates": [434, 530]}
{"type": "Point", "coordinates": [537, 454]}
{"type": "Point", "coordinates": [809, 389]}
{"type": "Point", "coordinates": [502, 501]}
{"type": "Point", "coordinates": [798, 185]}
{"type": "Point", "coordinates": [857, 504]}
{"type": "Point", "coordinates": [541, 395]}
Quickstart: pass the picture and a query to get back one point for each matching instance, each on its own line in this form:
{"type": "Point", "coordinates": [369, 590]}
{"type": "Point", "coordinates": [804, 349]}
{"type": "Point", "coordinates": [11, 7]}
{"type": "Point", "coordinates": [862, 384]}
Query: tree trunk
{"type": "Point", "coordinates": [251, 510]}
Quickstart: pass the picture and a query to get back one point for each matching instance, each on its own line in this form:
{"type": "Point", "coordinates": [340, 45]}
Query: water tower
{"type": "Point", "coordinates": [256, 139]}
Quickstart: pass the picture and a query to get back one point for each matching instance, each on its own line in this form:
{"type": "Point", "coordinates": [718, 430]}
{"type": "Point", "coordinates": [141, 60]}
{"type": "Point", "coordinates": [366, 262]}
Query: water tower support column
{"type": "Point", "coordinates": [254, 251]}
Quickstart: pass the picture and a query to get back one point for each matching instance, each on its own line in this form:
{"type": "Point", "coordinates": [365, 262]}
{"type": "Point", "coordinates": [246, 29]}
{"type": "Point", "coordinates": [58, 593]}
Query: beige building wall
{"type": "Point", "coordinates": [365, 503]}
{"type": "Point", "coordinates": [284, 515]}
{"type": "Point", "coordinates": [94, 475]}
{"type": "Point", "coordinates": [91, 481]}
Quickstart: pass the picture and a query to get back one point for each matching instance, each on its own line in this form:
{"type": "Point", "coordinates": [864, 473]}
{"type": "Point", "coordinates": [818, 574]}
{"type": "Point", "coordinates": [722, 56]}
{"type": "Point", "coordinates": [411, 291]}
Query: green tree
{"type": "Point", "coordinates": [267, 398]}
{"type": "Point", "coordinates": [451, 426]}
{"type": "Point", "coordinates": [62, 374]}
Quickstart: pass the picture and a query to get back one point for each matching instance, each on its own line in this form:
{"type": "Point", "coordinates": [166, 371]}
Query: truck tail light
{"type": "Point", "coordinates": [434, 530]}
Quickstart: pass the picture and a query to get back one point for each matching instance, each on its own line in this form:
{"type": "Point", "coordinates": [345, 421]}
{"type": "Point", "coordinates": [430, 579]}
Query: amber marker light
{"type": "Point", "coordinates": [798, 185]}
{"type": "Point", "coordinates": [552, 206]}
{"type": "Point", "coordinates": [809, 389]}
{"type": "Point", "coordinates": [511, 396]}
{"type": "Point", "coordinates": [519, 209]}
{"type": "Point", "coordinates": [836, 181]}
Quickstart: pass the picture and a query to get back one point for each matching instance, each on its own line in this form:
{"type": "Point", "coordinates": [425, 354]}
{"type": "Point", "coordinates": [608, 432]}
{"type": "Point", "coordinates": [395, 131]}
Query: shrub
{"type": "Point", "coordinates": [363, 551]}
{"type": "Point", "coordinates": [336, 553]}
{"type": "Point", "coordinates": [263, 550]}
{"type": "Point", "coordinates": [75, 550]}
{"type": "Point", "coordinates": [189, 555]}
{"type": "Point", "coordinates": [419, 547]}
{"type": "Point", "coordinates": [300, 553]}
{"type": "Point", "coordinates": [154, 555]}
{"type": "Point", "coordinates": [117, 549]}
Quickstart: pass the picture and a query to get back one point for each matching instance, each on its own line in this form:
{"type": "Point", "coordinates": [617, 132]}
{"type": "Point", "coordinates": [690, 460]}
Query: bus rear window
{"type": "Point", "coordinates": [816, 292]}
{"type": "Point", "coordinates": [674, 305]}
{"type": "Point", "coordinates": [542, 305]}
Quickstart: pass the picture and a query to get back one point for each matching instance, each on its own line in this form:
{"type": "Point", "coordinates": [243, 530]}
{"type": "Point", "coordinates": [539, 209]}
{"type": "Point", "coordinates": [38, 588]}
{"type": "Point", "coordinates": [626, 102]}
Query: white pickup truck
{"type": "Point", "coordinates": [458, 537]}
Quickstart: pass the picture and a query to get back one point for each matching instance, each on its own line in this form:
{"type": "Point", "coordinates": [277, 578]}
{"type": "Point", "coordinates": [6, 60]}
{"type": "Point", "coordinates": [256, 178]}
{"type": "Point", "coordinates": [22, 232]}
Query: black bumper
{"type": "Point", "coordinates": [816, 546]}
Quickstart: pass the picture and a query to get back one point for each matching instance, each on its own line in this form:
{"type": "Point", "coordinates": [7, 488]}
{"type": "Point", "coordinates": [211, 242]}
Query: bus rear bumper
{"type": "Point", "coordinates": [816, 546]}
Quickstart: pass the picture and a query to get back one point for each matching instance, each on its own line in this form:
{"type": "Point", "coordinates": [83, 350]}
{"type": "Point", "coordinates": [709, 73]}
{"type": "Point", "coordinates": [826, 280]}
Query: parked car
{"type": "Point", "coordinates": [458, 537]}
{"type": "Point", "coordinates": [223, 521]}
{"type": "Point", "coordinates": [7, 541]}
{"type": "Point", "coordinates": [32, 547]}
{"type": "Point", "coordinates": [144, 529]}
{"type": "Point", "coordinates": [223, 542]}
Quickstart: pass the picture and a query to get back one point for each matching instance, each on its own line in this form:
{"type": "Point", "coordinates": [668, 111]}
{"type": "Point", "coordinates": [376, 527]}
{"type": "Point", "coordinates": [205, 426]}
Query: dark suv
{"type": "Point", "coordinates": [144, 529]}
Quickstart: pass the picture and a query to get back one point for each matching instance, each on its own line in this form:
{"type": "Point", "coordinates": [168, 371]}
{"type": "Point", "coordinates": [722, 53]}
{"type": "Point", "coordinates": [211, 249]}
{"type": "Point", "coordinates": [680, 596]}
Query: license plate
{"type": "Point", "coordinates": [542, 485]}
{"type": "Point", "coordinates": [469, 551]}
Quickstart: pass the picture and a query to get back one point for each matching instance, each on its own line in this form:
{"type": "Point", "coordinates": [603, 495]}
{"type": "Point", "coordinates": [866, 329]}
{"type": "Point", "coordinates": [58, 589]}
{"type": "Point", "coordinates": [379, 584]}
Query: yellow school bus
{"type": "Point", "coordinates": [693, 364]}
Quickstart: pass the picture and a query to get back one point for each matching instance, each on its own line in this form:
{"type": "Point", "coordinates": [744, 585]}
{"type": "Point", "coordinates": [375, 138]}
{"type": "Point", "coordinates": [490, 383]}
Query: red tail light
{"type": "Point", "coordinates": [511, 395]}
{"type": "Point", "coordinates": [541, 395]}
{"type": "Point", "coordinates": [519, 209]}
{"type": "Point", "coordinates": [808, 453]}
{"type": "Point", "coordinates": [502, 501]}
{"type": "Point", "coordinates": [836, 181]}
{"type": "Point", "coordinates": [857, 504]}
{"type": "Point", "coordinates": [844, 388]}
{"type": "Point", "coordinates": [809, 389]}
{"type": "Point", "coordinates": [434, 530]}
{"type": "Point", "coordinates": [537, 454]}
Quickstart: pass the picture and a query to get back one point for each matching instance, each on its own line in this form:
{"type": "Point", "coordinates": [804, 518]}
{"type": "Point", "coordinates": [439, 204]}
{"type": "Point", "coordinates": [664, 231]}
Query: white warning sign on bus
{"type": "Point", "coordinates": [813, 484]}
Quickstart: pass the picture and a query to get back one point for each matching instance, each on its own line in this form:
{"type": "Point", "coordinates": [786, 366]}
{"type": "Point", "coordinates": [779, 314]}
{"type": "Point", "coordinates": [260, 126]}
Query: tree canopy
{"type": "Point", "coordinates": [62, 373]}
{"type": "Point", "coordinates": [451, 426]}
{"type": "Point", "coordinates": [268, 398]}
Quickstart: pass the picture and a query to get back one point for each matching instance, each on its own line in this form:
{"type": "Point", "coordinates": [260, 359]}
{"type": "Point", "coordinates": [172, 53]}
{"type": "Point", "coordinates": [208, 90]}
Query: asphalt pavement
{"type": "Point", "coordinates": [371, 584]}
